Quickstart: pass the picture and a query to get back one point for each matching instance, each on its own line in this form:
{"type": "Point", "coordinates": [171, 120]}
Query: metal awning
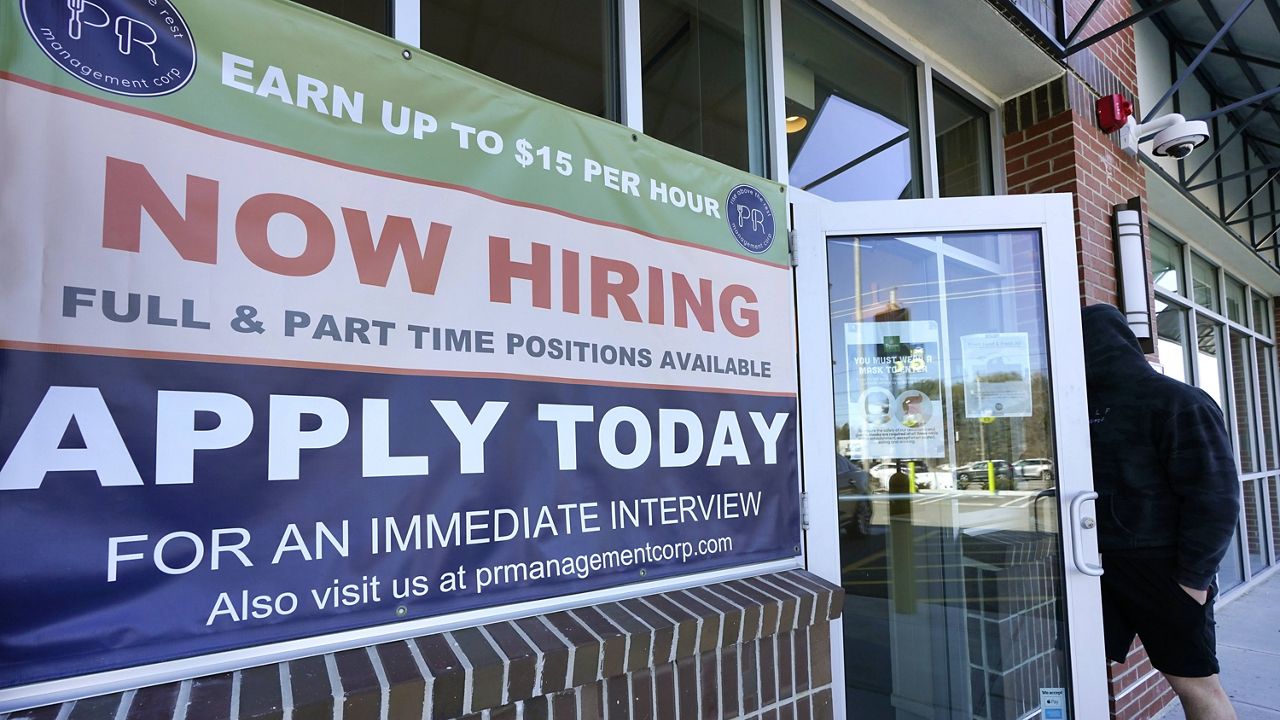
{"type": "Point", "coordinates": [1237, 43]}
{"type": "Point", "coordinates": [1232, 47]}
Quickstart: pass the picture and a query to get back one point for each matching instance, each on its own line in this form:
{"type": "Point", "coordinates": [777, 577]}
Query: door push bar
{"type": "Point", "coordinates": [1078, 523]}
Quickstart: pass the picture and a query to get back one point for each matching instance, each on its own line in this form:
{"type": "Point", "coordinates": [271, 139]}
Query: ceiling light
{"type": "Point", "coordinates": [796, 123]}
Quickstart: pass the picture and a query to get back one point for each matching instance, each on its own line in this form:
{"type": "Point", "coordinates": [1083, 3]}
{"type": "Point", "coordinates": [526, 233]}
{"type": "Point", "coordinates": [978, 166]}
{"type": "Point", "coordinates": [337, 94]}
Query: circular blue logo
{"type": "Point", "coordinates": [141, 48]}
{"type": "Point", "coordinates": [750, 218]}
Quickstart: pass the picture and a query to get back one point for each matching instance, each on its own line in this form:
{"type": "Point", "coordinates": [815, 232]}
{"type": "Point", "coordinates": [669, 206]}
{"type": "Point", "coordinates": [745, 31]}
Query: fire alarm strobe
{"type": "Point", "coordinates": [1113, 111]}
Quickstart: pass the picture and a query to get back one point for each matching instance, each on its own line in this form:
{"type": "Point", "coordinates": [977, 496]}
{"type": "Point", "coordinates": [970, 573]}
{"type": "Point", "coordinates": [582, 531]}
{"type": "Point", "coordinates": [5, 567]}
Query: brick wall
{"type": "Point", "coordinates": [1138, 691]}
{"type": "Point", "coordinates": [1052, 144]}
{"type": "Point", "coordinates": [755, 648]}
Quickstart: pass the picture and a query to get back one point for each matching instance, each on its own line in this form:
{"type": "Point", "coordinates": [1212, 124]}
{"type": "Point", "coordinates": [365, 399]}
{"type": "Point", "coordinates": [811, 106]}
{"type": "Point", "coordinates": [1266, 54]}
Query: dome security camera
{"type": "Point", "coordinates": [1175, 136]}
{"type": "Point", "coordinates": [1181, 138]}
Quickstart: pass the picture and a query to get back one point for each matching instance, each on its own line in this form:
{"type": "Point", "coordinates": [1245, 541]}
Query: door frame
{"type": "Point", "coordinates": [813, 221]}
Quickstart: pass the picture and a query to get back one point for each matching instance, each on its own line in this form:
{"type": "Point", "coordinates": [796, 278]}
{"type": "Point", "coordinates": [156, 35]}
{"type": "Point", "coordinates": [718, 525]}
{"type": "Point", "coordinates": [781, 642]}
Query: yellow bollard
{"type": "Point", "coordinates": [911, 477]}
{"type": "Point", "coordinates": [991, 477]}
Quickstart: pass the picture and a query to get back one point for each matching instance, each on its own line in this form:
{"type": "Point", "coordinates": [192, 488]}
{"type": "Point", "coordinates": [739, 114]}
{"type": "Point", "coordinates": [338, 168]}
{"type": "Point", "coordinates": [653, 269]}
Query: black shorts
{"type": "Point", "coordinates": [1140, 596]}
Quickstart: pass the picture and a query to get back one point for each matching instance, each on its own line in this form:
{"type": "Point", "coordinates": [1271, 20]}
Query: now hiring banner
{"type": "Point", "coordinates": [307, 332]}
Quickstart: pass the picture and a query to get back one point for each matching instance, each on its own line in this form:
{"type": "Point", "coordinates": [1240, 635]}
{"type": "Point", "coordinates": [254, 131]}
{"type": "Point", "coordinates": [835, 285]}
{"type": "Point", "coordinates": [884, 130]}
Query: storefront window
{"type": "Point", "coordinates": [1242, 410]}
{"type": "Point", "coordinates": [1204, 282]}
{"type": "Point", "coordinates": [1208, 357]}
{"type": "Point", "coordinates": [1231, 571]}
{"type": "Point", "coordinates": [852, 111]}
{"type": "Point", "coordinates": [1262, 320]}
{"type": "Point", "coordinates": [1265, 377]}
{"type": "Point", "coordinates": [1235, 300]}
{"type": "Point", "coordinates": [1253, 525]}
{"type": "Point", "coordinates": [963, 143]}
{"type": "Point", "coordinates": [1171, 344]}
{"type": "Point", "coordinates": [1275, 516]}
{"type": "Point", "coordinates": [560, 50]}
{"type": "Point", "coordinates": [1166, 262]}
{"type": "Point", "coordinates": [702, 78]}
{"type": "Point", "coordinates": [374, 15]}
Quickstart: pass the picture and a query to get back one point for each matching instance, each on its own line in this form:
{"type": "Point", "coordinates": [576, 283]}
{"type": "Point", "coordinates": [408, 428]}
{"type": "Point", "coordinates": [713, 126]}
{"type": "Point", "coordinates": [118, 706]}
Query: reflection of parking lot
{"type": "Point", "coordinates": [936, 516]}
{"type": "Point", "coordinates": [968, 509]}
{"type": "Point", "coordinates": [946, 480]}
{"type": "Point", "coordinates": [971, 569]}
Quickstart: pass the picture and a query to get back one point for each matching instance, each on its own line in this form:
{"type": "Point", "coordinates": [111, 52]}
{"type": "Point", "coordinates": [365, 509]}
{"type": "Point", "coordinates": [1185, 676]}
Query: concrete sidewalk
{"type": "Point", "coordinates": [1249, 652]}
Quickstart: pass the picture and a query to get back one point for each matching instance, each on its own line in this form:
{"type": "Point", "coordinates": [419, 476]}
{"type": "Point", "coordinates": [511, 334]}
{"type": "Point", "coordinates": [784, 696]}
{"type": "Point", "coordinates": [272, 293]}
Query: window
{"type": "Point", "coordinates": [852, 111]}
{"type": "Point", "coordinates": [1209, 359]}
{"type": "Point", "coordinates": [1171, 344]}
{"type": "Point", "coordinates": [1242, 406]}
{"type": "Point", "coordinates": [1264, 355]}
{"type": "Point", "coordinates": [1166, 262]}
{"type": "Point", "coordinates": [562, 50]}
{"type": "Point", "coordinates": [1253, 525]}
{"type": "Point", "coordinates": [1235, 363]}
{"type": "Point", "coordinates": [1231, 571]}
{"type": "Point", "coordinates": [1262, 319]}
{"type": "Point", "coordinates": [963, 133]}
{"type": "Point", "coordinates": [372, 14]}
{"type": "Point", "coordinates": [1204, 282]}
{"type": "Point", "coordinates": [691, 73]}
{"type": "Point", "coordinates": [1274, 494]}
{"type": "Point", "coordinates": [1235, 300]}
{"type": "Point", "coordinates": [703, 78]}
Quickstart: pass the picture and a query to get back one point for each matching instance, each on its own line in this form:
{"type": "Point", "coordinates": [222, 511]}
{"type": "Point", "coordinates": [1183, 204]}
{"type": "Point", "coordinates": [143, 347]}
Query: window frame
{"type": "Point", "coordinates": [1267, 479]}
{"type": "Point", "coordinates": [406, 18]}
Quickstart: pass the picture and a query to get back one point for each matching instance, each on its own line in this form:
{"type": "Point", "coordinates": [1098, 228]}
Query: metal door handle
{"type": "Point", "coordinates": [1078, 523]}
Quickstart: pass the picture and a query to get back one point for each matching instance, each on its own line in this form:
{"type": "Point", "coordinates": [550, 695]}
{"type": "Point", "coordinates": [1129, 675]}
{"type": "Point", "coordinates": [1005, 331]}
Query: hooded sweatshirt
{"type": "Point", "coordinates": [1162, 460]}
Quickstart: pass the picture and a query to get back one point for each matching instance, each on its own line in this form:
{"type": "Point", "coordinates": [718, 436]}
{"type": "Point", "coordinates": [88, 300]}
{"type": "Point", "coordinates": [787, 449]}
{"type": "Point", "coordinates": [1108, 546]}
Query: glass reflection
{"type": "Point", "coordinates": [1166, 262]}
{"type": "Point", "coordinates": [1265, 358]}
{"type": "Point", "coordinates": [1274, 495]}
{"type": "Point", "coordinates": [851, 107]}
{"type": "Point", "coordinates": [1231, 572]}
{"type": "Point", "coordinates": [1235, 300]}
{"type": "Point", "coordinates": [963, 143]}
{"type": "Point", "coordinates": [1242, 391]}
{"type": "Point", "coordinates": [1171, 347]}
{"type": "Point", "coordinates": [1208, 336]}
{"type": "Point", "coordinates": [360, 12]}
{"type": "Point", "coordinates": [1204, 282]}
{"type": "Point", "coordinates": [1253, 525]}
{"type": "Point", "coordinates": [561, 51]}
{"type": "Point", "coordinates": [1262, 318]}
{"type": "Point", "coordinates": [702, 80]}
{"type": "Point", "coordinates": [948, 507]}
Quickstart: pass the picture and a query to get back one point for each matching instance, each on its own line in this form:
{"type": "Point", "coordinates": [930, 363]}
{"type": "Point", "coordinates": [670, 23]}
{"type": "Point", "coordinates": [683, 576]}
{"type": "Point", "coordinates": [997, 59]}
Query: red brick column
{"type": "Point", "coordinates": [1053, 144]}
{"type": "Point", "coordinates": [1065, 152]}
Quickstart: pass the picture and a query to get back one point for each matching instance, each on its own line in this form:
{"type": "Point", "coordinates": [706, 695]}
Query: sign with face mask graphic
{"type": "Point", "coordinates": [894, 385]}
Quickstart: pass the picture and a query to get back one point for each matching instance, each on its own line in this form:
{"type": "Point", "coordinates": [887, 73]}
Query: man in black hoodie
{"type": "Point", "coordinates": [1168, 502]}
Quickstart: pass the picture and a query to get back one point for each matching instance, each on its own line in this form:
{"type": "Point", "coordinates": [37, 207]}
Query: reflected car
{"type": "Point", "coordinates": [974, 475]}
{"type": "Point", "coordinates": [1034, 469]}
{"type": "Point", "coordinates": [885, 470]}
{"type": "Point", "coordinates": [853, 492]}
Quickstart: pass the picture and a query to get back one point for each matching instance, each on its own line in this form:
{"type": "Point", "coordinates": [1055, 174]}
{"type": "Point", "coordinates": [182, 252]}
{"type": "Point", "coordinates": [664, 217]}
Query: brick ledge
{"type": "Point", "coordinates": [494, 669]}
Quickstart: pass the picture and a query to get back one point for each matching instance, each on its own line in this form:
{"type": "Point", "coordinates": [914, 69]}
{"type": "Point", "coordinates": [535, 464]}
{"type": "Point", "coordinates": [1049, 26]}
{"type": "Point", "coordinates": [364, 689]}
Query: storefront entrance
{"type": "Point", "coordinates": [945, 457]}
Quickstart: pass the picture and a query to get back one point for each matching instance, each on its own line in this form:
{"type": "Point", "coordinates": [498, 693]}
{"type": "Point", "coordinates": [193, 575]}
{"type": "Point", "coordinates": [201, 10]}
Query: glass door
{"type": "Point", "coordinates": [946, 462]}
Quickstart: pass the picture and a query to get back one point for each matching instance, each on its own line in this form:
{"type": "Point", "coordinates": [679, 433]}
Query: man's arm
{"type": "Point", "coordinates": [1202, 472]}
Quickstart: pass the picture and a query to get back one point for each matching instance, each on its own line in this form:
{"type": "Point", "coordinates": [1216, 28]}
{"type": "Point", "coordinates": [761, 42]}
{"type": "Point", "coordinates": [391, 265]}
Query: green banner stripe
{"type": "Point", "coordinates": [260, 61]}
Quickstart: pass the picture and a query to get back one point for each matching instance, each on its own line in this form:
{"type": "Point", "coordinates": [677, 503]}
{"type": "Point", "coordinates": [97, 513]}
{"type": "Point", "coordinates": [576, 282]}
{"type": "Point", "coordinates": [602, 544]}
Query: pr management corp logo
{"type": "Point", "coordinates": [141, 48]}
{"type": "Point", "coordinates": [750, 219]}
